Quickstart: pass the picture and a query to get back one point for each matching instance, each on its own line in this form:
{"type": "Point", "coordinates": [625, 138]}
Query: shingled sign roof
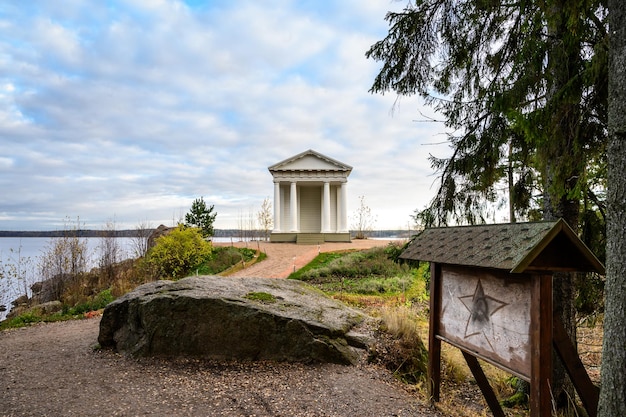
{"type": "Point", "coordinates": [516, 247]}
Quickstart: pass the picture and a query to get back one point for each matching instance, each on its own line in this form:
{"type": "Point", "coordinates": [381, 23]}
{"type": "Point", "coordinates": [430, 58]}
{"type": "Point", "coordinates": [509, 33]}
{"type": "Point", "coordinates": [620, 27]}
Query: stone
{"type": "Point", "coordinates": [162, 230]}
{"type": "Point", "coordinates": [36, 287]}
{"type": "Point", "coordinates": [232, 318]}
{"type": "Point", "coordinates": [21, 301]}
{"type": "Point", "coordinates": [49, 307]}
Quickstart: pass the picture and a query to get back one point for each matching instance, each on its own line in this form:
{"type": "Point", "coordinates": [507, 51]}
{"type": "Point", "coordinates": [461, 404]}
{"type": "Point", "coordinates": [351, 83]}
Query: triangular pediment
{"type": "Point", "coordinates": [310, 161]}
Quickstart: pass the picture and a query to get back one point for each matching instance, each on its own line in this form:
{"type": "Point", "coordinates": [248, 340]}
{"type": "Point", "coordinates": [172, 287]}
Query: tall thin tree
{"type": "Point", "coordinates": [613, 371]}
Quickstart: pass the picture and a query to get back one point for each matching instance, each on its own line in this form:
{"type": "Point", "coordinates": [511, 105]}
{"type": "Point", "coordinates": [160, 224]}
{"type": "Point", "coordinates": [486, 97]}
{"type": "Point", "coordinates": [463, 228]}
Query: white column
{"type": "Point", "coordinates": [293, 207]}
{"type": "Point", "coordinates": [343, 208]}
{"type": "Point", "coordinates": [326, 208]}
{"type": "Point", "coordinates": [277, 207]}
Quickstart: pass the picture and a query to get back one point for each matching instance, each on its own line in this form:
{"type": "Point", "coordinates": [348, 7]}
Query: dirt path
{"type": "Point", "coordinates": [53, 370]}
{"type": "Point", "coordinates": [283, 257]}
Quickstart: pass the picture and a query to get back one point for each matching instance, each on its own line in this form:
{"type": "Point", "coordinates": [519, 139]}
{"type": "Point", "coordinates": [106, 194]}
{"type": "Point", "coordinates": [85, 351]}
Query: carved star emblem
{"type": "Point", "coordinates": [481, 307]}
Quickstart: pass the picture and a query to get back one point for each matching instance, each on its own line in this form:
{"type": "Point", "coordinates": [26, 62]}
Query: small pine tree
{"type": "Point", "coordinates": [201, 217]}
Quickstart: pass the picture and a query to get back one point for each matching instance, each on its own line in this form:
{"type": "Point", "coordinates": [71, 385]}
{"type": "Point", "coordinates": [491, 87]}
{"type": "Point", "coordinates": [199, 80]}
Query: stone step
{"type": "Point", "coordinates": [310, 238]}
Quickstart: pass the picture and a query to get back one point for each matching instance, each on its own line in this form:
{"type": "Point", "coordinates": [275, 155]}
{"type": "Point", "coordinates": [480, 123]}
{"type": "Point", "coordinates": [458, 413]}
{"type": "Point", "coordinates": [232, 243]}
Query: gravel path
{"type": "Point", "coordinates": [53, 370]}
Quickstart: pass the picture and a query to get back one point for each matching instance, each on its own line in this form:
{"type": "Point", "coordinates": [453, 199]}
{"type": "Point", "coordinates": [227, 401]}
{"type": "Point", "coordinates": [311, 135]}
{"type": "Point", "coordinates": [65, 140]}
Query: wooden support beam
{"type": "Point", "coordinates": [483, 384]}
{"type": "Point", "coordinates": [434, 344]}
{"type": "Point", "coordinates": [541, 342]}
{"type": "Point", "coordinates": [587, 391]}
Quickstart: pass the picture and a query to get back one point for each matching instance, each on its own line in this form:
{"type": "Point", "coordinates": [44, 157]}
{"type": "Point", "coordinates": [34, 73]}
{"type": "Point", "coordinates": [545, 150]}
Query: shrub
{"type": "Point", "coordinates": [394, 250]}
{"type": "Point", "coordinates": [176, 254]}
{"type": "Point", "coordinates": [418, 290]}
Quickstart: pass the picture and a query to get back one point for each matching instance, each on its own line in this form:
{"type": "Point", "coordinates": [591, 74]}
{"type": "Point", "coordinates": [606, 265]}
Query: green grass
{"type": "Point", "coordinates": [321, 260]}
{"type": "Point", "coordinates": [222, 258]}
{"type": "Point", "coordinates": [369, 272]}
{"type": "Point", "coordinates": [33, 317]}
{"type": "Point", "coordinates": [21, 320]}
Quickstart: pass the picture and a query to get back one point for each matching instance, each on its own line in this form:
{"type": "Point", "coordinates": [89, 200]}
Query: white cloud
{"type": "Point", "coordinates": [133, 109]}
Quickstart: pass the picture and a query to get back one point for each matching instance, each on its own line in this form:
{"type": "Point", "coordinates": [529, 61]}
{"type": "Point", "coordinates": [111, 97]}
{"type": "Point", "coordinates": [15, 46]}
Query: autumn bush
{"type": "Point", "coordinates": [177, 253]}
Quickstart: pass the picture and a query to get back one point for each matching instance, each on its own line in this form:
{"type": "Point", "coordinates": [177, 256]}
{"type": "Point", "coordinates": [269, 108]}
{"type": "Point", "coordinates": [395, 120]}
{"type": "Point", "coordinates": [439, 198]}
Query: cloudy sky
{"type": "Point", "coordinates": [127, 111]}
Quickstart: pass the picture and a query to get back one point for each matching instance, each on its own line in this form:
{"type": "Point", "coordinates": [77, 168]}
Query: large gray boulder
{"type": "Point", "coordinates": [232, 318]}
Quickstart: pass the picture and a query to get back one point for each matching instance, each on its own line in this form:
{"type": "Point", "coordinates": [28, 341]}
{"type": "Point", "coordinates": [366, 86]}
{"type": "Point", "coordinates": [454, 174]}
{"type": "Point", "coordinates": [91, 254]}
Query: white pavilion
{"type": "Point", "coordinates": [310, 199]}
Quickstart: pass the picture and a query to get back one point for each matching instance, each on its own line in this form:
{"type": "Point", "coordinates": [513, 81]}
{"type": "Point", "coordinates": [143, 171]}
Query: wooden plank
{"type": "Point", "coordinates": [488, 312]}
{"type": "Point", "coordinates": [541, 346]}
{"type": "Point", "coordinates": [434, 344]}
{"type": "Point", "coordinates": [483, 384]}
{"type": "Point", "coordinates": [486, 359]}
{"type": "Point", "coordinates": [587, 391]}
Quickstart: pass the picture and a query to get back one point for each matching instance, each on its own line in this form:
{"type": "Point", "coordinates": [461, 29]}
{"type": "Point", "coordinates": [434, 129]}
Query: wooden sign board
{"type": "Point", "coordinates": [488, 314]}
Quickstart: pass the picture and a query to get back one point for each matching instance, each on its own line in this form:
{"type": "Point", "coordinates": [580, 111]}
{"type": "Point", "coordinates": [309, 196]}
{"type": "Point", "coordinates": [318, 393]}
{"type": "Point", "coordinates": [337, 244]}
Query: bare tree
{"type": "Point", "coordinates": [252, 225]}
{"type": "Point", "coordinates": [246, 226]}
{"type": "Point", "coordinates": [63, 259]}
{"type": "Point", "coordinates": [265, 218]}
{"type": "Point", "coordinates": [17, 274]}
{"type": "Point", "coordinates": [362, 220]}
{"type": "Point", "coordinates": [139, 242]}
{"type": "Point", "coordinates": [241, 226]}
{"type": "Point", "coordinates": [110, 251]}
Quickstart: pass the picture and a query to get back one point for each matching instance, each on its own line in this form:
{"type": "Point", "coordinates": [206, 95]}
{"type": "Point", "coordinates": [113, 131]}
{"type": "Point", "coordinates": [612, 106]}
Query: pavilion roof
{"type": "Point", "coordinates": [310, 160]}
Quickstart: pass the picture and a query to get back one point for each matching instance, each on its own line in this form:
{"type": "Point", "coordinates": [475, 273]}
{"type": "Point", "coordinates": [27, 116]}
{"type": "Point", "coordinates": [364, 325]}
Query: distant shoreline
{"type": "Point", "coordinates": [70, 233]}
{"type": "Point", "coordinates": [131, 233]}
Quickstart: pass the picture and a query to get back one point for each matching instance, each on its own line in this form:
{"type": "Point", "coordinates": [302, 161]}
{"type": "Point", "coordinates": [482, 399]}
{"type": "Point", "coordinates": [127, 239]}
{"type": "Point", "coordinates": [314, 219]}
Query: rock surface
{"type": "Point", "coordinates": [162, 230]}
{"type": "Point", "coordinates": [232, 318]}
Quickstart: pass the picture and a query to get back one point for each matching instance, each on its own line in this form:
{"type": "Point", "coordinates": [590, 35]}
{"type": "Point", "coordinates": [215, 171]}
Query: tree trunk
{"type": "Point", "coordinates": [613, 371]}
{"type": "Point", "coordinates": [563, 166]}
{"type": "Point", "coordinates": [512, 218]}
{"type": "Point", "coordinates": [563, 290]}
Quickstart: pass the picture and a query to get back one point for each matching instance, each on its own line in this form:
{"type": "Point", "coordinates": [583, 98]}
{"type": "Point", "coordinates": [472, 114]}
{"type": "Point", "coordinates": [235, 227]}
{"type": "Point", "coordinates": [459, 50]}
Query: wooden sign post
{"type": "Point", "coordinates": [491, 297]}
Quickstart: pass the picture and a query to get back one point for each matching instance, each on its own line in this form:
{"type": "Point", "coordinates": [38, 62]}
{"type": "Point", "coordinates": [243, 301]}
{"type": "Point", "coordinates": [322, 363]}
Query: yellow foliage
{"type": "Point", "coordinates": [178, 252]}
